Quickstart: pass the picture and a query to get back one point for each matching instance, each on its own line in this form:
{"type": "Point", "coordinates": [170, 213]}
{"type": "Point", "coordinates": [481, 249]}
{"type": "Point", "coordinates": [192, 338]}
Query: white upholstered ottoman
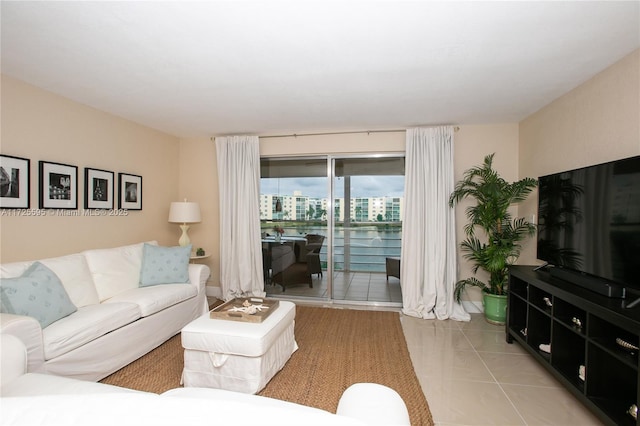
{"type": "Point", "coordinates": [238, 356]}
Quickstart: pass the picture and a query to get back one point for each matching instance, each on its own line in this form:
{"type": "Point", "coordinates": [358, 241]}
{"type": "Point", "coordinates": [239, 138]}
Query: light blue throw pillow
{"type": "Point", "coordinates": [37, 293]}
{"type": "Point", "coordinates": [164, 265]}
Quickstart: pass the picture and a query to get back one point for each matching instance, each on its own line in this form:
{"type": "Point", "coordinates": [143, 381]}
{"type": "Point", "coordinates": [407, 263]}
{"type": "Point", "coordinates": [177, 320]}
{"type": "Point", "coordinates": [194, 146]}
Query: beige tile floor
{"type": "Point", "coordinates": [471, 376]}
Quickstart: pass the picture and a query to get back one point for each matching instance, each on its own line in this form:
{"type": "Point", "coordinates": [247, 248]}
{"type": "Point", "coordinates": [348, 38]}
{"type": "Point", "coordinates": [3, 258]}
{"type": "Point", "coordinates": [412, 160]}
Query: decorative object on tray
{"type": "Point", "coordinates": [249, 308]}
{"type": "Point", "coordinates": [626, 345]}
{"type": "Point", "coordinates": [200, 252]}
{"type": "Point", "coordinates": [245, 309]}
{"type": "Point", "coordinates": [14, 182]}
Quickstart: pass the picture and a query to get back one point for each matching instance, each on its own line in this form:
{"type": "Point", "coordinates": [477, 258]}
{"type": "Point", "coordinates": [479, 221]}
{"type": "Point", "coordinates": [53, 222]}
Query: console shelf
{"type": "Point", "coordinates": [592, 339]}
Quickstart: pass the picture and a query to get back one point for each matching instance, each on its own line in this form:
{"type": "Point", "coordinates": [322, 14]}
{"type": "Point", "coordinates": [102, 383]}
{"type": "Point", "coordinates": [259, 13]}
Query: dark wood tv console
{"type": "Point", "coordinates": [583, 328]}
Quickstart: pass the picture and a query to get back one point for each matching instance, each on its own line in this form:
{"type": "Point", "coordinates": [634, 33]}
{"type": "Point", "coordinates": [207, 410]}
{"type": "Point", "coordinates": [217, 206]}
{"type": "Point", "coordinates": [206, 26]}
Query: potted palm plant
{"type": "Point", "coordinates": [498, 244]}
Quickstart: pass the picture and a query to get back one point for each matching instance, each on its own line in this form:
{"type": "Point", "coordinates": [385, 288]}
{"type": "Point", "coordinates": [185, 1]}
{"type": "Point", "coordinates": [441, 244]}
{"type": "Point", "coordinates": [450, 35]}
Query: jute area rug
{"type": "Point", "coordinates": [337, 348]}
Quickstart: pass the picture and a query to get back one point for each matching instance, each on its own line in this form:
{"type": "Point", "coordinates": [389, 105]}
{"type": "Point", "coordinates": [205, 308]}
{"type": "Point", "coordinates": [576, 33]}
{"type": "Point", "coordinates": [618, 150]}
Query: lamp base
{"type": "Point", "coordinates": [184, 238]}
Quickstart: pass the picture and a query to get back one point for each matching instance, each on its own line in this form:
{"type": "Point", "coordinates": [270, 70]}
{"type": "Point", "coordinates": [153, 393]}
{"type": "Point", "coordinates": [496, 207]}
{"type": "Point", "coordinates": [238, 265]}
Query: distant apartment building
{"type": "Point", "coordinates": [301, 207]}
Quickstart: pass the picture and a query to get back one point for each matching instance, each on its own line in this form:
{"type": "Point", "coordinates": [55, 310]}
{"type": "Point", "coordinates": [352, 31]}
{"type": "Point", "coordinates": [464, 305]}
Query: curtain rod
{"type": "Point", "coordinates": [295, 135]}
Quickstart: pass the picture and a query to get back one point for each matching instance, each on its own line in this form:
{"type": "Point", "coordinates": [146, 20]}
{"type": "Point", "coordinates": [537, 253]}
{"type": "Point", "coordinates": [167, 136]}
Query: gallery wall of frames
{"type": "Point", "coordinates": [58, 186]}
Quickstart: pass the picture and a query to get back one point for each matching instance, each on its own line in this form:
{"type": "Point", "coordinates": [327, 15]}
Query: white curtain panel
{"type": "Point", "coordinates": [240, 245]}
{"type": "Point", "coordinates": [428, 257]}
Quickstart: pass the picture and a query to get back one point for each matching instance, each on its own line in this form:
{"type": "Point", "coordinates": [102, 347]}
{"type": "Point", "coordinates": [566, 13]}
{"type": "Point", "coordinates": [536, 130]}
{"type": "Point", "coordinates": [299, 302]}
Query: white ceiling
{"type": "Point", "coordinates": [223, 67]}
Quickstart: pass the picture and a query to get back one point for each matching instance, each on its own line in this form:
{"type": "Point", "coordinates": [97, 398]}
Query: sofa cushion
{"type": "Point", "coordinates": [155, 298]}
{"type": "Point", "coordinates": [72, 271]}
{"type": "Point", "coordinates": [76, 278]}
{"type": "Point", "coordinates": [14, 269]}
{"type": "Point", "coordinates": [85, 325]}
{"type": "Point", "coordinates": [164, 265]}
{"type": "Point", "coordinates": [37, 293]}
{"type": "Point", "coordinates": [115, 270]}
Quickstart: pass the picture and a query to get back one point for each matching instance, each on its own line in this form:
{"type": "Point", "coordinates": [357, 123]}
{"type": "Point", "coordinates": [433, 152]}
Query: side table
{"type": "Point", "coordinates": [194, 258]}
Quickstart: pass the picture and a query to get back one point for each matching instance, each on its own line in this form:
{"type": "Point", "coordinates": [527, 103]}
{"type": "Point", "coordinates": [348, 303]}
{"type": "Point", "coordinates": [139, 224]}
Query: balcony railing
{"type": "Point", "coordinates": [368, 244]}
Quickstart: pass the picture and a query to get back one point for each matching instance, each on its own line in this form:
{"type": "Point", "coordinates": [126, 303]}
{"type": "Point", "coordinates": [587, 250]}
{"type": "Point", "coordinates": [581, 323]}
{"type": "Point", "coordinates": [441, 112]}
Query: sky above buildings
{"type": "Point", "coordinates": [316, 187]}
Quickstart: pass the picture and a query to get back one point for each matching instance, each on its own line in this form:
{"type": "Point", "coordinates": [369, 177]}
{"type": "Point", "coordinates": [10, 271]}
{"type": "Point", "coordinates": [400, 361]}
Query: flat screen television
{"type": "Point", "coordinates": [589, 226]}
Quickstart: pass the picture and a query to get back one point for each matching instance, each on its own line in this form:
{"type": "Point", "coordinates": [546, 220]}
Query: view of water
{"type": "Point", "coordinates": [368, 246]}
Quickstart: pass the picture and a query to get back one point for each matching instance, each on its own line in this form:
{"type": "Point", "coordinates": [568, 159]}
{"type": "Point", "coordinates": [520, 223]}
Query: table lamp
{"type": "Point", "coordinates": [185, 213]}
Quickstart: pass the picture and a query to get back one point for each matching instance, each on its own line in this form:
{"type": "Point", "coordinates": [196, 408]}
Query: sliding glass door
{"type": "Point", "coordinates": [367, 223]}
{"type": "Point", "coordinates": [329, 224]}
{"type": "Point", "coordinates": [293, 215]}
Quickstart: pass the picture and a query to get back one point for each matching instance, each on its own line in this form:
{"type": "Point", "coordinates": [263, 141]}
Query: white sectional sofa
{"type": "Point", "coordinates": [116, 319]}
{"type": "Point", "coordinates": [38, 399]}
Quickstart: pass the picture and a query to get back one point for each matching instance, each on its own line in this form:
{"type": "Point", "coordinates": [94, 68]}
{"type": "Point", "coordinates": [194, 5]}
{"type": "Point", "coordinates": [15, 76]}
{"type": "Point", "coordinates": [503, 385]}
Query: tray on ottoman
{"type": "Point", "coordinates": [239, 309]}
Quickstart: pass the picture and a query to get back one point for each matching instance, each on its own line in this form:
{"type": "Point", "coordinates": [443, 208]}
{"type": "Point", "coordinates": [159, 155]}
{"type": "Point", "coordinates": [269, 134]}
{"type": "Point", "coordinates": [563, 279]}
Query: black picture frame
{"type": "Point", "coordinates": [98, 189]}
{"type": "Point", "coordinates": [15, 175]}
{"type": "Point", "coordinates": [130, 191]}
{"type": "Point", "coordinates": [58, 186]}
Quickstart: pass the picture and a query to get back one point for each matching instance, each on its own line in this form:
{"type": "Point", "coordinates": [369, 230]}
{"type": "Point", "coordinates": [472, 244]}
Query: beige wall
{"type": "Point", "coordinates": [199, 182]}
{"type": "Point", "coordinates": [598, 121]}
{"type": "Point", "coordinates": [472, 144]}
{"type": "Point", "coordinates": [40, 125]}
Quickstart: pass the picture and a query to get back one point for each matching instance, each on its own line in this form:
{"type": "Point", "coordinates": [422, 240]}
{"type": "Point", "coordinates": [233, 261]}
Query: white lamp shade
{"type": "Point", "coordinates": [184, 212]}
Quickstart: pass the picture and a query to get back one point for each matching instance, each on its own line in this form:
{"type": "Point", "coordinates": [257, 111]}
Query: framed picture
{"type": "Point", "coordinates": [14, 182]}
{"type": "Point", "coordinates": [58, 186]}
{"type": "Point", "coordinates": [130, 187]}
{"type": "Point", "coordinates": [98, 189]}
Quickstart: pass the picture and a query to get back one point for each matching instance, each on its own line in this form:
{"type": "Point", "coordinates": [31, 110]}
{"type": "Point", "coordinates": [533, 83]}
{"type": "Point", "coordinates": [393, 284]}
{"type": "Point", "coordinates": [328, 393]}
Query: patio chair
{"type": "Point", "coordinates": [285, 270]}
{"type": "Point", "coordinates": [313, 247]}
